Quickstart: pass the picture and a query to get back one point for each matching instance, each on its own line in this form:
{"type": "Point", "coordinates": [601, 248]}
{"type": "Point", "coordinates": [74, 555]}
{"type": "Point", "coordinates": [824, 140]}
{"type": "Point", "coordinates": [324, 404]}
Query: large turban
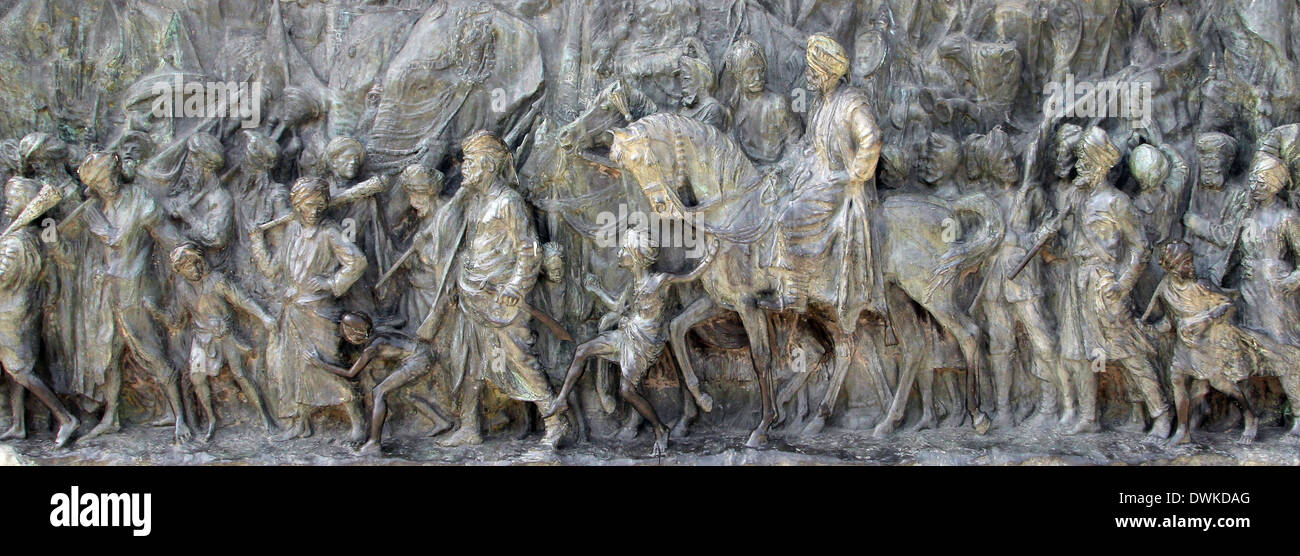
{"type": "Point", "coordinates": [419, 180]}
{"type": "Point", "coordinates": [262, 151]}
{"type": "Point", "coordinates": [186, 251]}
{"type": "Point", "coordinates": [41, 146]}
{"type": "Point", "coordinates": [98, 166]}
{"type": "Point", "coordinates": [306, 188]}
{"type": "Point", "coordinates": [827, 56]}
{"type": "Point", "coordinates": [1096, 150]}
{"type": "Point", "coordinates": [206, 150]}
{"type": "Point", "coordinates": [21, 191]}
{"type": "Point", "coordinates": [342, 144]}
{"type": "Point", "coordinates": [1271, 169]}
{"type": "Point", "coordinates": [1221, 145]}
{"type": "Point", "coordinates": [485, 142]}
{"type": "Point", "coordinates": [1148, 164]}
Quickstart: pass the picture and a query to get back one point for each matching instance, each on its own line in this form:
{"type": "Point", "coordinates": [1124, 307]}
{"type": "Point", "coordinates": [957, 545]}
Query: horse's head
{"type": "Point", "coordinates": [644, 157]}
{"type": "Point", "coordinates": [617, 105]}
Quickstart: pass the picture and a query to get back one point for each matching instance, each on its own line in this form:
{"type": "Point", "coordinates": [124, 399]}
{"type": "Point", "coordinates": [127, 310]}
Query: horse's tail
{"type": "Point", "coordinates": [965, 255]}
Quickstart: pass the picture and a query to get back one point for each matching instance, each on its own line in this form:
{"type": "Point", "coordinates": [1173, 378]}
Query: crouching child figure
{"type": "Point", "coordinates": [639, 340]}
{"type": "Point", "coordinates": [410, 357]}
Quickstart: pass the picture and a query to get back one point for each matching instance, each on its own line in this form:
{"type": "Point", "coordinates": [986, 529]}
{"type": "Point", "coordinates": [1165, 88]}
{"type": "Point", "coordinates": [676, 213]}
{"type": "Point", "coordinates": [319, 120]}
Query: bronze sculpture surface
{"type": "Point", "coordinates": [518, 230]}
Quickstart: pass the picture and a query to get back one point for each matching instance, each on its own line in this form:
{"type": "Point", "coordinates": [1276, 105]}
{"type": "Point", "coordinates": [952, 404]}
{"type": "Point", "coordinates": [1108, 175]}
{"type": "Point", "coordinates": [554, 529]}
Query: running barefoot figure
{"type": "Point", "coordinates": [411, 357]}
{"type": "Point", "coordinates": [639, 339]}
{"type": "Point", "coordinates": [20, 269]}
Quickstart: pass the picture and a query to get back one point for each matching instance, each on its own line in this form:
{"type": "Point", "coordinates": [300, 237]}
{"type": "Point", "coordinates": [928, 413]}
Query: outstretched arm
{"type": "Point", "coordinates": [593, 285]}
{"type": "Point", "coordinates": [699, 268]}
{"type": "Point", "coordinates": [319, 361]}
{"type": "Point", "coordinates": [236, 296]}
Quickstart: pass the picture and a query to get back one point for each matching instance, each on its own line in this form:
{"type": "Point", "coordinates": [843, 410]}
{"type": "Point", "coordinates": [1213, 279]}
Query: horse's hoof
{"type": "Point", "coordinates": [705, 402]}
{"type": "Point", "coordinates": [756, 440]}
{"type": "Point", "coordinates": [882, 431]}
{"type": "Point", "coordinates": [982, 424]}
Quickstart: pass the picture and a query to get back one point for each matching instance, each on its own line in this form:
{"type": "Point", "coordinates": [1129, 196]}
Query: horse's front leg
{"type": "Point", "coordinates": [698, 311]}
{"type": "Point", "coordinates": [755, 322]}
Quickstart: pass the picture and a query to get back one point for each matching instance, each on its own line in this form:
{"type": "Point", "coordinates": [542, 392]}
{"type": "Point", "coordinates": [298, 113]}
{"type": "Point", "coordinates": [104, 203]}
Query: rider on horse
{"type": "Point", "coordinates": [833, 193]}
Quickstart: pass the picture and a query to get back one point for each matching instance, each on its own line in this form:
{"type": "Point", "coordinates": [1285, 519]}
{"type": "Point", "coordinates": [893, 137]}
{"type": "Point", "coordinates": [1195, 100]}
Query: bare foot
{"type": "Point", "coordinates": [682, 428]}
{"type": "Point", "coordinates": [183, 433]}
{"type": "Point", "coordinates": [462, 437]}
{"type": "Point", "coordinates": [814, 426]}
{"type": "Point", "coordinates": [207, 433]}
{"type": "Point", "coordinates": [927, 422]}
{"type": "Point", "coordinates": [1068, 416]}
{"type": "Point", "coordinates": [1004, 420]}
{"type": "Point", "coordinates": [954, 419]}
{"type": "Point", "coordinates": [65, 431]}
{"type": "Point", "coordinates": [14, 433]}
{"type": "Point", "coordinates": [1160, 430]}
{"type": "Point", "coordinates": [358, 434]}
{"type": "Point", "coordinates": [439, 429]}
{"type": "Point", "coordinates": [294, 431]}
{"type": "Point", "coordinates": [371, 448]}
{"type": "Point", "coordinates": [1180, 437]}
{"type": "Point", "coordinates": [1084, 426]}
{"type": "Point", "coordinates": [1040, 420]}
{"type": "Point", "coordinates": [104, 427]}
{"type": "Point", "coordinates": [555, 431]}
{"type": "Point", "coordinates": [883, 429]}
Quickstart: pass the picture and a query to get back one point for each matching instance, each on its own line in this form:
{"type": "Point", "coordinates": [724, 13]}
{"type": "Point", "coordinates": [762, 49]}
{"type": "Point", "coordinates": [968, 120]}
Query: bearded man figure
{"type": "Point", "coordinates": [500, 260]}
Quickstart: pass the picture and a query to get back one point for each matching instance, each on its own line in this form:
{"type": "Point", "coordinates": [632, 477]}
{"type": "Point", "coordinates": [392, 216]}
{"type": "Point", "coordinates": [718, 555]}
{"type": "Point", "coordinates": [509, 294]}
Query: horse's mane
{"type": "Point", "coordinates": [714, 146]}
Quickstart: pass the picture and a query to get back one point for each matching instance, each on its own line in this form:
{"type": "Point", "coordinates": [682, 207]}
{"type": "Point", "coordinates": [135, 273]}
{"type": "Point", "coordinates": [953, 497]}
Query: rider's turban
{"type": "Point", "coordinates": [1096, 150]}
{"type": "Point", "coordinates": [485, 142]}
{"type": "Point", "coordinates": [827, 56]}
{"type": "Point", "coordinates": [98, 167]}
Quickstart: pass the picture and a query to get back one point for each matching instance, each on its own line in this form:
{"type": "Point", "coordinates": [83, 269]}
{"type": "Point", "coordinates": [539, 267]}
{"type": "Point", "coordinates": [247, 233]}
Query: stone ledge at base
{"type": "Point", "coordinates": [142, 445]}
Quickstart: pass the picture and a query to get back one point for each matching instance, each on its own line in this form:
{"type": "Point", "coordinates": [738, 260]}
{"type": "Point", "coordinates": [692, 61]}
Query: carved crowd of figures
{"type": "Point", "coordinates": [1065, 208]}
